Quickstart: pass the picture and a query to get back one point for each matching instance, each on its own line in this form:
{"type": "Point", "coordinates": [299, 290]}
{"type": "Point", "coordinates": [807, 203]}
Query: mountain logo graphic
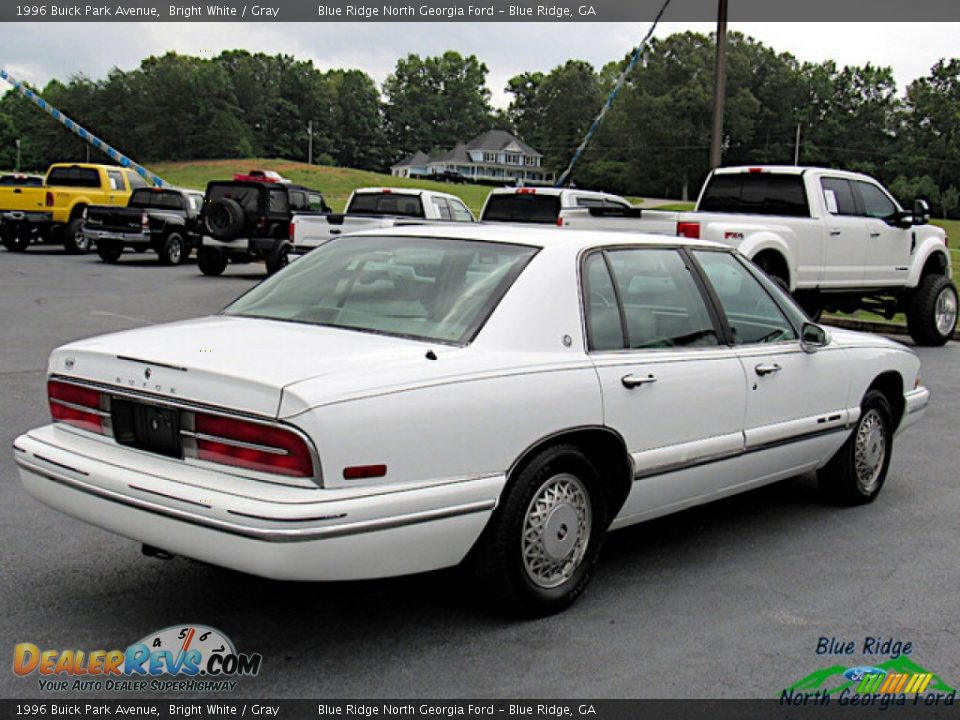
{"type": "Point", "coordinates": [898, 675]}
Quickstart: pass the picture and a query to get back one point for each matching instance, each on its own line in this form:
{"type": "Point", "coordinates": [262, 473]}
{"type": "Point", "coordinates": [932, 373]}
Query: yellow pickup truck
{"type": "Point", "coordinates": [53, 212]}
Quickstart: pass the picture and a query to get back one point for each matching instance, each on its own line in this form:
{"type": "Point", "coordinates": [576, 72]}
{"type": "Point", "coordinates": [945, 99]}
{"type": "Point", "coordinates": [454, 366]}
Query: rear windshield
{"type": "Point", "coordinates": [74, 177]}
{"type": "Point", "coordinates": [757, 193]}
{"type": "Point", "coordinates": [164, 199]}
{"type": "Point", "coordinates": [386, 204]}
{"type": "Point", "coordinates": [422, 288]}
{"type": "Point", "coordinates": [522, 208]}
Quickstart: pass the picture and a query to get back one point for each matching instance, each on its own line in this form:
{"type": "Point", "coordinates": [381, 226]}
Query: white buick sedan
{"type": "Point", "coordinates": [409, 399]}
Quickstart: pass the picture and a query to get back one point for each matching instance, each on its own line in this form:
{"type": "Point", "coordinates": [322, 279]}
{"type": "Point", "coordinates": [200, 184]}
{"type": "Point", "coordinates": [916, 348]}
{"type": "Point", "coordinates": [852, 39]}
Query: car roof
{"type": "Point", "coordinates": [535, 236]}
{"type": "Point", "coordinates": [550, 191]}
{"type": "Point", "coordinates": [402, 191]}
{"type": "Point", "coordinates": [788, 170]}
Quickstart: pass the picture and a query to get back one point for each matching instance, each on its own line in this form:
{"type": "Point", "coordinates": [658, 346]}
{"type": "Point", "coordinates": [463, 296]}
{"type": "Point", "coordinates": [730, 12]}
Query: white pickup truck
{"type": "Point", "coordinates": [556, 206]}
{"type": "Point", "coordinates": [837, 240]}
{"type": "Point", "coordinates": [370, 208]}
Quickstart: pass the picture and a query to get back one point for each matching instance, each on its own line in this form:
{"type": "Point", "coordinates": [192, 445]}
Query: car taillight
{"type": "Point", "coordinates": [689, 230]}
{"type": "Point", "coordinates": [144, 220]}
{"type": "Point", "coordinates": [253, 446]}
{"type": "Point", "coordinates": [291, 230]}
{"type": "Point", "coordinates": [559, 221]}
{"type": "Point", "coordinates": [75, 405]}
{"type": "Point", "coordinates": [49, 199]}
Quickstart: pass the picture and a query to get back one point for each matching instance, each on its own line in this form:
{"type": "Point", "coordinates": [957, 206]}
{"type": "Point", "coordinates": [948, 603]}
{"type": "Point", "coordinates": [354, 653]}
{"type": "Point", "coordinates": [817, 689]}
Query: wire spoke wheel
{"type": "Point", "coordinates": [556, 531]}
{"type": "Point", "coordinates": [870, 450]}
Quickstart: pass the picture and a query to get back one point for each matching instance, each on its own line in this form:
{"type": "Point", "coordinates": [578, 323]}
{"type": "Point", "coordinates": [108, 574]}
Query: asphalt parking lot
{"type": "Point", "coordinates": [726, 600]}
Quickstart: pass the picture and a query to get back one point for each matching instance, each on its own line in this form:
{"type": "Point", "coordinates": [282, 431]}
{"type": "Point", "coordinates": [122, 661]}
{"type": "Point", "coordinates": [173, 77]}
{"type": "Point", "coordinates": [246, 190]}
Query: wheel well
{"type": "Point", "coordinates": [891, 385]}
{"type": "Point", "coordinates": [773, 264]}
{"type": "Point", "coordinates": [936, 264]}
{"type": "Point", "coordinates": [607, 451]}
{"type": "Point", "coordinates": [77, 211]}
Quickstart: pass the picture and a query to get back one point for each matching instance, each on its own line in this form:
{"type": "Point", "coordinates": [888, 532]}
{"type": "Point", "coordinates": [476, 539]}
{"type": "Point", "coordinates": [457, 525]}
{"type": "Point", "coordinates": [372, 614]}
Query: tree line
{"type": "Point", "coordinates": [654, 141]}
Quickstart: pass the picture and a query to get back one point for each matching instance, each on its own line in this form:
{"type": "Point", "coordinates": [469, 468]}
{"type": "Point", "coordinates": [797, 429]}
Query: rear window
{"type": "Point", "coordinates": [247, 196]}
{"type": "Point", "coordinates": [163, 199]}
{"type": "Point", "coordinates": [756, 194]}
{"type": "Point", "coordinates": [74, 177]}
{"type": "Point", "coordinates": [386, 204]}
{"type": "Point", "coordinates": [522, 208]}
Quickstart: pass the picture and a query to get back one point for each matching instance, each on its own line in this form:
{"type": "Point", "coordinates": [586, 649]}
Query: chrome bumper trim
{"type": "Point", "coordinates": [273, 535]}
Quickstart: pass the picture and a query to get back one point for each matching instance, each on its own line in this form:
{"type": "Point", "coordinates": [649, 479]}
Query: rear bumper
{"type": "Point", "coordinates": [15, 217]}
{"type": "Point", "coordinates": [127, 238]}
{"type": "Point", "coordinates": [241, 244]}
{"type": "Point", "coordinates": [915, 405]}
{"type": "Point", "coordinates": [281, 532]}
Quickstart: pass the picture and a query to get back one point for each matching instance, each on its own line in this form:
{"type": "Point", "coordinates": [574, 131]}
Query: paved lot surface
{"type": "Point", "coordinates": [726, 600]}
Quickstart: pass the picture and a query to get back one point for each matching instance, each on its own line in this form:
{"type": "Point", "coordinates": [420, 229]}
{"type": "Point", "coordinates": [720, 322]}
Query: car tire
{"type": "Point", "coordinates": [211, 261]}
{"type": "Point", "coordinates": [278, 258]}
{"type": "Point", "coordinates": [174, 249]}
{"type": "Point", "coordinates": [109, 251]}
{"type": "Point", "coordinates": [224, 218]}
{"type": "Point", "coordinates": [539, 550]}
{"type": "Point", "coordinates": [74, 241]}
{"type": "Point", "coordinates": [932, 310]}
{"type": "Point", "coordinates": [856, 473]}
{"type": "Point", "coordinates": [14, 241]}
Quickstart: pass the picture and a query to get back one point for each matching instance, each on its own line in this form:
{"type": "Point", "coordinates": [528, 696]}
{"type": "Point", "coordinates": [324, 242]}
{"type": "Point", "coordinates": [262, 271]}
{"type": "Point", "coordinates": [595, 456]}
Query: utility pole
{"type": "Point", "coordinates": [310, 143]}
{"type": "Point", "coordinates": [17, 142]}
{"type": "Point", "coordinates": [796, 147]}
{"type": "Point", "coordinates": [719, 86]}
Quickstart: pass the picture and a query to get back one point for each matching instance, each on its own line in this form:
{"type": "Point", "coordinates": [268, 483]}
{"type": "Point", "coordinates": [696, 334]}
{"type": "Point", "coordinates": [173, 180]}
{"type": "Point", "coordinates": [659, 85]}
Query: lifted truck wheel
{"type": "Point", "coordinates": [932, 310]}
{"type": "Point", "coordinates": [14, 241]}
{"type": "Point", "coordinates": [211, 261]}
{"type": "Point", "coordinates": [73, 239]}
{"type": "Point", "coordinates": [109, 251]}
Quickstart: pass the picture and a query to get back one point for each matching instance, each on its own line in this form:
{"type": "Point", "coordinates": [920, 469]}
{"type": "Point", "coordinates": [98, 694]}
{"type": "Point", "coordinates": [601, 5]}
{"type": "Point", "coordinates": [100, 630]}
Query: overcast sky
{"type": "Point", "coordinates": [39, 52]}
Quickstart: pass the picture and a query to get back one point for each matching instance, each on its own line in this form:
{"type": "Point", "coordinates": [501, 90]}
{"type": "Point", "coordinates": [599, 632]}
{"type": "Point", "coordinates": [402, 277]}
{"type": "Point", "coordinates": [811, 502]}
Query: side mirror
{"type": "Point", "coordinates": [921, 212]}
{"type": "Point", "coordinates": [813, 337]}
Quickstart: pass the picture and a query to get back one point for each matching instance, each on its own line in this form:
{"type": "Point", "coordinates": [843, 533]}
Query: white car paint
{"type": "Point", "coordinates": [450, 428]}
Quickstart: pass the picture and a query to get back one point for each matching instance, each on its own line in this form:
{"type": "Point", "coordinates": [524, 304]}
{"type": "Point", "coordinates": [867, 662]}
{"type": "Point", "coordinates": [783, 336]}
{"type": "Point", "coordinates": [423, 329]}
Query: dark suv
{"type": "Point", "coordinates": [249, 219]}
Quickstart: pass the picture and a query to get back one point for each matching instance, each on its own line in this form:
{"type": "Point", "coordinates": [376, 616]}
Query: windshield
{"type": "Point", "coordinates": [423, 288]}
{"type": "Point", "coordinates": [522, 208]}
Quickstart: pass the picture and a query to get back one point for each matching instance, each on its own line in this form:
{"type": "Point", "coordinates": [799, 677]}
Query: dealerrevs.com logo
{"type": "Point", "coordinates": [176, 659]}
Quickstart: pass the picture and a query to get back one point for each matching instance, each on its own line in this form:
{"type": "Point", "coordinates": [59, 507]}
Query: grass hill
{"type": "Point", "coordinates": [336, 183]}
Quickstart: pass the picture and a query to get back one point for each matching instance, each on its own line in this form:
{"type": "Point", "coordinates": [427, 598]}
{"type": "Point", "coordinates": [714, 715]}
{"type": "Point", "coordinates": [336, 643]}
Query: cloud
{"type": "Point", "coordinates": [37, 52]}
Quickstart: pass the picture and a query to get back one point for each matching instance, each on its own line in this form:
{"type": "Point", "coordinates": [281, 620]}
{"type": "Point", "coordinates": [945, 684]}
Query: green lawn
{"type": "Point", "coordinates": [336, 183]}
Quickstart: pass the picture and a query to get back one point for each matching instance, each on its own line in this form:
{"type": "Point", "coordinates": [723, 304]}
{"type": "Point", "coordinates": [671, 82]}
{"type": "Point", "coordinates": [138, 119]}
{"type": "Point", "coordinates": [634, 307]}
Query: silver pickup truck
{"type": "Point", "coordinates": [370, 208]}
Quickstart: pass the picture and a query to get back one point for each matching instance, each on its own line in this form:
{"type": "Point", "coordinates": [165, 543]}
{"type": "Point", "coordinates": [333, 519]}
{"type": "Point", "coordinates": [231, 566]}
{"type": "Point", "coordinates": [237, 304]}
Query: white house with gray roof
{"type": "Point", "coordinates": [495, 155]}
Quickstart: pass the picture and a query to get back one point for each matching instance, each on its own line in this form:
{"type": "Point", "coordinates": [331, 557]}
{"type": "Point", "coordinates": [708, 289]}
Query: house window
{"type": "Point", "coordinates": [490, 157]}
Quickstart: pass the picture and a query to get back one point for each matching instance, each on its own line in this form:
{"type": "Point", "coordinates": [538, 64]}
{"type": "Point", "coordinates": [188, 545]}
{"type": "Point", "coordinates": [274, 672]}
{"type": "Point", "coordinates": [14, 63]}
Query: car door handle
{"type": "Point", "coordinates": [632, 381]}
{"type": "Point", "coordinates": [762, 370]}
{"type": "Point", "coordinates": [834, 232]}
{"type": "Point", "coordinates": [874, 233]}
{"type": "Point", "coordinates": [334, 231]}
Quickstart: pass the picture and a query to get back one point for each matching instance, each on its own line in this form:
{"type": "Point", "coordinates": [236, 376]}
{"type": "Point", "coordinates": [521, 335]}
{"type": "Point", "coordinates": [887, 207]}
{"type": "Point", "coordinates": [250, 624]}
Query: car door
{"type": "Point", "coordinates": [888, 246]}
{"type": "Point", "coordinates": [674, 393]}
{"type": "Point", "coordinates": [845, 246]}
{"type": "Point", "coordinates": [116, 188]}
{"type": "Point", "coordinates": [792, 395]}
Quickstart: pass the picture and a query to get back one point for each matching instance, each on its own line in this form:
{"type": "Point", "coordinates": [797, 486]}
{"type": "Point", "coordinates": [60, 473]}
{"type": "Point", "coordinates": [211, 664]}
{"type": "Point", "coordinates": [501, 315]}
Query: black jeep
{"type": "Point", "coordinates": [249, 219]}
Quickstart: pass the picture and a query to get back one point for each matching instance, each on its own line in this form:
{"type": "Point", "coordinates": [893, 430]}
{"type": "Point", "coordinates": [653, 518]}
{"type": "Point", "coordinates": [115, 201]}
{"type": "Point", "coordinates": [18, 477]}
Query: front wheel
{"type": "Point", "coordinates": [932, 310]}
{"type": "Point", "coordinates": [211, 261]}
{"type": "Point", "coordinates": [855, 475]}
{"type": "Point", "coordinates": [539, 550]}
{"type": "Point", "coordinates": [74, 241]}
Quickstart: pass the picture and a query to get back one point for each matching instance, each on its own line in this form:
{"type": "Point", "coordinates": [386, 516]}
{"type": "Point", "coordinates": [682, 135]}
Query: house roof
{"type": "Point", "coordinates": [496, 140]}
{"type": "Point", "coordinates": [418, 158]}
{"type": "Point", "coordinates": [458, 154]}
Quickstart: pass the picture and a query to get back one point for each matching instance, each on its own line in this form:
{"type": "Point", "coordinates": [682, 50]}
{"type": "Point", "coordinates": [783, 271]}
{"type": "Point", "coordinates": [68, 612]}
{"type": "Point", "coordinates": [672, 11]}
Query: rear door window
{"type": "Point", "coordinates": [838, 196]}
